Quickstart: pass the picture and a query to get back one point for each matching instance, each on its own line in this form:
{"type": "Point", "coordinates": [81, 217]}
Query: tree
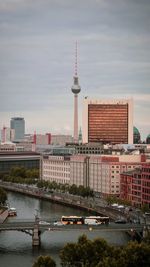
{"type": "Point", "coordinates": [18, 172]}
{"type": "Point", "coordinates": [136, 255]}
{"type": "Point", "coordinates": [111, 199]}
{"type": "Point", "coordinates": [98, 253]}
{"type": "Point", "coordinates": [145, 207]}
{"type": "Point", "coordinates": [84, 253]}
{"type": "Point", "coordinates": [44, 261]}
{"type": "Point", "coordinates": [3, 196]}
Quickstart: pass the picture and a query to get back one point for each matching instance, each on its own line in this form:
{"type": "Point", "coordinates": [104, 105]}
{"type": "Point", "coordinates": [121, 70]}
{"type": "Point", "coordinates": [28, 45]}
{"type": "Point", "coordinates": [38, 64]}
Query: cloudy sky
{"type": "Point", "coordinates": [37, 54]}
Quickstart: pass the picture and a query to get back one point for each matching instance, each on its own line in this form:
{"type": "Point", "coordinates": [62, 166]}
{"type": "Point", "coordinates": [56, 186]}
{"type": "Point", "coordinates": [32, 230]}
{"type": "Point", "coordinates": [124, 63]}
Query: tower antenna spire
{"type": "Point", "coordinates": [76, 59]}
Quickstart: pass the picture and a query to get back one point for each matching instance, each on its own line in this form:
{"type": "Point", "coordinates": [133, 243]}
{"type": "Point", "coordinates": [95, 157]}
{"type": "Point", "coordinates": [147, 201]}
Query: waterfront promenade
{"type": "Point", "coordinates": [92, 205]}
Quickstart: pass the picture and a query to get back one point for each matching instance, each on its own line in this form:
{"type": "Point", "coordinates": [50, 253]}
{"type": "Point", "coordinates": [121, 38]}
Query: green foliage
{"type": "Point", "coordinates": [145, 208]}
{"type": "Point", "coordinates": [44, 261]}
{"type": "Point", "coordinates": [113, 199]}
{"type": "Point", "coordinates": [86, 252]}
{"type": "Point", "coordinates": [21, 175]}
{"type": "Point", "coordinates": [147, 238]}
{"type": "Point", "coordinates": [18, 172]}
{"type": "Point", "coordinates": [3, 196]}
{"type": "Point", "coordinates": [136, 255]}
{"type": "Point", "coordinates": [97, 253]}
{"type": "Point", "coordinates": [73, 189]}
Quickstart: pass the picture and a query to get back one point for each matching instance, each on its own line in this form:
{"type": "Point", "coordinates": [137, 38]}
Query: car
{"type": "Point", "coordinates": [121, 221]}
{"type": "Point", "coordinates": [44, 223]}
{"type": "Point", "coordinates": [147, 214]}
{"type": "Point", "coordinates": [58, 224]}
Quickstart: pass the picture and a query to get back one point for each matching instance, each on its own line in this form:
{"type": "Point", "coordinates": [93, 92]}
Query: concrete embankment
{"type": "Point", "coordinates": [65, 199]}
{"type": "Point", "coordinates": [3, 216]}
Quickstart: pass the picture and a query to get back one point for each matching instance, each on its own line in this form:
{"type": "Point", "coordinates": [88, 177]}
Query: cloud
{"type": "Point", "coordinates": [37, 40]}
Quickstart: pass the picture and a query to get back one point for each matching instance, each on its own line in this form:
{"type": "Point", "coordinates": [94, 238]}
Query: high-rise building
{"type": "Point", "coordinates": [5, 134]}
{"type": "Point", "coordinates": [18, 124]}
{"type": "Point", "coordinates": [108, 121]}
{"type": "Point", "coordinates": [76, 90]}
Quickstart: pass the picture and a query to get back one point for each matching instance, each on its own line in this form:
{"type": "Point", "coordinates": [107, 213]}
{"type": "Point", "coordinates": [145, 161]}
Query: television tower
{"type": "Point", "coordinates": [75, 90]}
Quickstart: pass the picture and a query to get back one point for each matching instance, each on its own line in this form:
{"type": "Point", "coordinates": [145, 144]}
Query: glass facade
{"type": "Point", "coordinates": [7, 165]}
{"type": "Point", "coordinates": [18, 125]}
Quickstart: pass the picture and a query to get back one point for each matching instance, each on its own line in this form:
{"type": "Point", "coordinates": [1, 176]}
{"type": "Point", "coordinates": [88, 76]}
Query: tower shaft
{"type": "Point", "coordinates": [75, 118]}
{"type": "Point", "coordinates": [75, 90]}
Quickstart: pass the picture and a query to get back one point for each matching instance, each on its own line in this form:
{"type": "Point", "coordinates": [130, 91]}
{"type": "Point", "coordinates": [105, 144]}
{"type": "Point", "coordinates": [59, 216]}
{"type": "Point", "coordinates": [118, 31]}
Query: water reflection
{"type": "Point", "coordinates": [16, 247]}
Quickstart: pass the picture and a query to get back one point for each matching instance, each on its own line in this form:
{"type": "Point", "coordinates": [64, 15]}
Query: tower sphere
{"type": "Point", "coordinates": [76, 87]}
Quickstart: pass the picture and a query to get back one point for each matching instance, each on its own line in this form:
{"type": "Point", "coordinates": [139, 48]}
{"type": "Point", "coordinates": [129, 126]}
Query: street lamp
{"type": "Point", "coordinates": [36, 215]}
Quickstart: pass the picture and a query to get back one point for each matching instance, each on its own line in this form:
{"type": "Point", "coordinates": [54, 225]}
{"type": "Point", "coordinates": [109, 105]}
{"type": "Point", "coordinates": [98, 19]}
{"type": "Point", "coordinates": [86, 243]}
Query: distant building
{"type": "Point", "coordinates": [42, 139]}
{"type": "Point", "coordinates": [135, 185]}
{"type": "Point", "coordinates": [59, 139]}
{"type": "Point", "coordinates": [108, 121]}
{"type": "Point", "coordinates": [18, 125]}
{"type": "Point", "coordinates": [136, 136]}
{"type": "Point", "coordinates": [8, 160]}
{"type": "Point", "coordinates": [7, 146]}
{"type": "Point", "coordinates": [7, 134]}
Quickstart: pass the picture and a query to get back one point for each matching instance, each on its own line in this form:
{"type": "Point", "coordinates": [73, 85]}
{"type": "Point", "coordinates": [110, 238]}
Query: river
{"type": "Point", "coordinates": [16, 247]}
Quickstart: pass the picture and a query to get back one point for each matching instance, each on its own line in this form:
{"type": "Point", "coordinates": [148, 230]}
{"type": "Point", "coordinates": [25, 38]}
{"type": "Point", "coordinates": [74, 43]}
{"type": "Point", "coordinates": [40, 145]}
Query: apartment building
{"type": "Point", "coordinates": [135, 185]}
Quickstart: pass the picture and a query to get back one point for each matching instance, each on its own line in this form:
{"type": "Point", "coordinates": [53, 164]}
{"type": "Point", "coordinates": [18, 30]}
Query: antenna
{"type": "Point", "coordinates": [76, 57]}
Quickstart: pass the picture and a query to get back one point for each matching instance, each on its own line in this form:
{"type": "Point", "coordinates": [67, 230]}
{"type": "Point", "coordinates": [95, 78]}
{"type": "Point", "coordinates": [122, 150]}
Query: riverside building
{"type": "Point", "coordinates": [100, 173]}
{"type": "Point", "coordinates": [135, 186]}
{"type": "Point", "coordinates": [56, 168]}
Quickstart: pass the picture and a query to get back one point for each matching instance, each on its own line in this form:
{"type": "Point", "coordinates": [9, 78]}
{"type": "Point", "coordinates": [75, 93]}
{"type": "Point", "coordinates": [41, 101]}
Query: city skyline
{"type": "Point", "coordinates": [37, 59]}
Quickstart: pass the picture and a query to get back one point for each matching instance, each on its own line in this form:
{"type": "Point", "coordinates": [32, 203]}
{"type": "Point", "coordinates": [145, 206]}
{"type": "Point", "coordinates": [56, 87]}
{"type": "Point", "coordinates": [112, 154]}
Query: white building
{"type": "Point", "coordinates": [56, 168]}
{"type": "Point", "coordinates": [7, 146]}
{"type": "Point", "coordinates": [99, 172]}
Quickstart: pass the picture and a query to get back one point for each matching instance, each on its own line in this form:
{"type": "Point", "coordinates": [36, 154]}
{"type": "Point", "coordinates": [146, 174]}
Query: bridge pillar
{"type": "Point", "coordinates": [36, 234]}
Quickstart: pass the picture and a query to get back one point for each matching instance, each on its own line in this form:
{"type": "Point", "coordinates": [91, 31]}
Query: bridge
{"type": "Point", "coordinates": [34, 228]}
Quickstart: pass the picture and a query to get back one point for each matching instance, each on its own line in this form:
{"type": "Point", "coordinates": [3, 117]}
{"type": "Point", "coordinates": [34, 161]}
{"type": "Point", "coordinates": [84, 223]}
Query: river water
{"type": "Point", "coordinates": [16, 247]}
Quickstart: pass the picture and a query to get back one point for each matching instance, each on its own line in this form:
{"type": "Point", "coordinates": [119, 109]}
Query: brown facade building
{"type": "Point", "coordinates": [108, 121]}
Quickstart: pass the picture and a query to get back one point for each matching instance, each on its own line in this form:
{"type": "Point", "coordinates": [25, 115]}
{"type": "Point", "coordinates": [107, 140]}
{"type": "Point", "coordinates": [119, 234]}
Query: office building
{"type": "Point", "coordinates": [18, 125]}
{"type": "Point", "coordinates": [102, 173]}
{"type": "Point", "coordinates": [108, 121]}
{"type": "Point", "coordinates": [9, 160]}
{"type": "Point", "coordinates": [56, 168]}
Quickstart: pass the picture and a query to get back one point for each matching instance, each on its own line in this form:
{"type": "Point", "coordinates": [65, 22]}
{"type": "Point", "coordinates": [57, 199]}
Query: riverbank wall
{"type": "Point", "coordinates": [3, 216]}
{"type": "Point", "coordinates": [77, 202]}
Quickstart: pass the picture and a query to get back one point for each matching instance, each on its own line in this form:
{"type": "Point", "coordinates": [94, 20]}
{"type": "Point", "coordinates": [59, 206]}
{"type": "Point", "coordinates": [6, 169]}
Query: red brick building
{"type": "Point", "coordinates": [135, 186]}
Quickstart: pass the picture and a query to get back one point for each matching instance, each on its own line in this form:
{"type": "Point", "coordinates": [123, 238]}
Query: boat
{"type": "Point", "coordinates": [12, 212]}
